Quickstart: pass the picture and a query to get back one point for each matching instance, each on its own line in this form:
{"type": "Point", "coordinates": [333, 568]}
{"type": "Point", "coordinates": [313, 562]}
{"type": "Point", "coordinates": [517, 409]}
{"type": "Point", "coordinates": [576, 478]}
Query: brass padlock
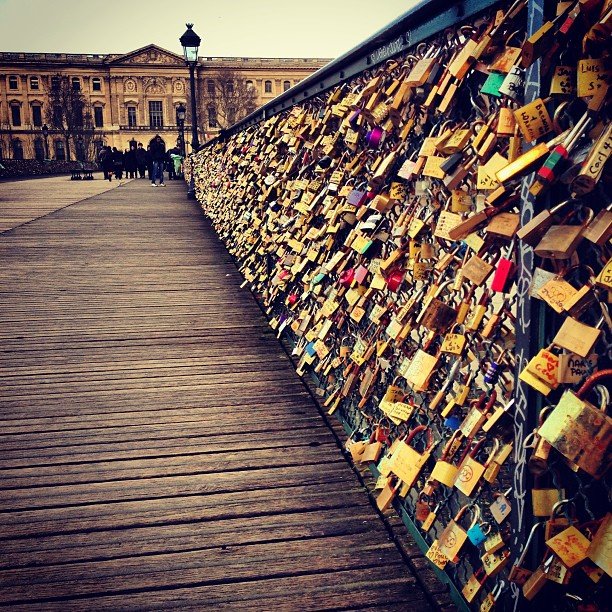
{"type": "Point", "coordinates": [519, 574]}
{"type": "Point", "coordinates": [560, 241]}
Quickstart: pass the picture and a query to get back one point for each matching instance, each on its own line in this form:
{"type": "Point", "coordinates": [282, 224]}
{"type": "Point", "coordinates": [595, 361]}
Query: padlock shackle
{"type": "Point", "coordinates": [592, 380]}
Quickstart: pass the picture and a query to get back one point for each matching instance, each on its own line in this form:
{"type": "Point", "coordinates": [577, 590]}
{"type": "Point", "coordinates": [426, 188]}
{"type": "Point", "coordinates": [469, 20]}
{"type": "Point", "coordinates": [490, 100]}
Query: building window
{"type": "Point", "coordinates": [212, 117]}
{"type": "Point", "coordinates": [76, 84]}
{"type": "Point", "coordinates": [39, 149]}
{"type": "Point", "coordinates": [286, 85]}
{"type": "Point", "coordinates": [36, 115]}
{"type": "Point", "coordinates": [17, 149]}
{"type": "Point", "coordinates": [210, 84]}
{"type": "Point", "coordinates": [156, 114]}
{"type": "Point", "coordinates": [268, 86]}
{"type": "Point", "coordinates": [34, 82]}
{"type": "Point", "coordinates": [98, 116]}
{"type": "Point", "coordinates": [249, 85]}
{"type": "Point", "coordinates": [131, 116]}
{"type": "Point", "coordinates": [96, 84]}
{"type": "Point", "coordinates": [231, 115]}
{"type": "Point", "coordinates": [55, 83]}
{"type": "Point", "coordinates": [13, 82]}
{"type": "Point", "coordinates": [58, 117]}
{"type": "Point", "coordinates": [229, 86]}
{"type": "Point", "coordinates": [60, 150]}
{"type": "Point", "coordinates": [16, 115]}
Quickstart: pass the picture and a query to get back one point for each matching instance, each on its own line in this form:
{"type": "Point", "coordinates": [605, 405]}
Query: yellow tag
{"type": "Point", "coordinates": [453, 343]}
{"type": "Point", "coordinates": [555, 292]}
{"type": "Point", "coordinates": [474, 241]}
{"type": "Point", "coordinates": [570, 546]}
{"type": "Point", "coordinates": [533, 120]}
{"type": "Point", "coordinates": [436, 556]}
{"type": "Point", "coordinates": [592, 76]}
{"type": "Point", "coordinates": [432, 167]}
{"type": "Point", "coordinates": [605, 276]}
{"type": "Point", "coordinates": [563, 81]}
{"type": "Point", "coordinates": [446, 221]}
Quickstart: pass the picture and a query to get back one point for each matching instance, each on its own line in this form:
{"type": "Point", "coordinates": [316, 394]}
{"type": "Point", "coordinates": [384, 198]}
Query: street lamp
{"type": "Point", "coordinates": [45, 133]}
{"type": "Point", "coordinates": [191, 43]}
{"type": "Point", "coordinates": [180, 119]}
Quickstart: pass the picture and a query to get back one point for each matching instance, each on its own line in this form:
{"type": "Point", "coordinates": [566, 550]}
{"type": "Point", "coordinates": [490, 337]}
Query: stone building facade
{"type": "Point", "coordinates": [133, 97]}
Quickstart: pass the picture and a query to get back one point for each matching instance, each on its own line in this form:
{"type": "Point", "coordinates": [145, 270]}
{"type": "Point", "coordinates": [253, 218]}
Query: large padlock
{"type": "Point", "coordinates": [405, 462]}
{"type": "Point", "coordinates": [561, 241]}
{"type": "Point", "coordinates": [581, 432]}
{"type": "Point", "coordinates": [445, 471]}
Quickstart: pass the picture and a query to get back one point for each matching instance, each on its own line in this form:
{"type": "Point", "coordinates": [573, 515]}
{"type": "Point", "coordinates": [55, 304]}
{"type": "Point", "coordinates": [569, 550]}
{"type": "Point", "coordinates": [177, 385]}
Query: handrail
{"type": "Point", "coordinates": [418, 23]}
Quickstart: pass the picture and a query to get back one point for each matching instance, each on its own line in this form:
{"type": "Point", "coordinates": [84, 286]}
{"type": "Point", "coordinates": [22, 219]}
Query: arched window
{"type": "Point", "coordinates": [76, 84]}
{"type": "Point", "coordinates": [34, 83]}
{"type": "Point", "coordinates": [96, 84]}
{"type": "Point", "coordinates": [39, 149]}
{"type": "Point", "coordinates": [286, 85]}
{"type": "Point", "coordinates": [268, 86]}
{"type": "Point", "coordinates": [17, 149]}
{"type": "Point", "coordinates": [13, 82]}
{"type": "Point", "coordinates": [60, 150]}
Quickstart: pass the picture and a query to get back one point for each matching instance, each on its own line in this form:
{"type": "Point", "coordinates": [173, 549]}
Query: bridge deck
{"type": "Point", "coordinates": [156, 447]}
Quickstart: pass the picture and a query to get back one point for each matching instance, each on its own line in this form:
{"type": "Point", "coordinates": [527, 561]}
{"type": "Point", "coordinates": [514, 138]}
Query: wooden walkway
{"type": "Point", "coordinates": [157, 449]}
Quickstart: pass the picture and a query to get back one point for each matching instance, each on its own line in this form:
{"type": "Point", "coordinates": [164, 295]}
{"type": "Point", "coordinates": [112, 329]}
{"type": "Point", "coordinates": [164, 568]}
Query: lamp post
{"type": "Point", "coordinates": [190, 42]}
{"type": "Point", "coordinates": [45, 133]}
{"type": "Point", "coordinates": [180, 119]}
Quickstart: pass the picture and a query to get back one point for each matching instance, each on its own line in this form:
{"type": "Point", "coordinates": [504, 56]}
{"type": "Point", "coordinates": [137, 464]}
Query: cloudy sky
{"type": "Point", "coordinates": [257, 28]}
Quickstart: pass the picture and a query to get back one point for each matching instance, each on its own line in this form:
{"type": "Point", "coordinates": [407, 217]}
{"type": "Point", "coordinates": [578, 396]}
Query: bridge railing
{"type": "Point", "coordinates": [374, 210]}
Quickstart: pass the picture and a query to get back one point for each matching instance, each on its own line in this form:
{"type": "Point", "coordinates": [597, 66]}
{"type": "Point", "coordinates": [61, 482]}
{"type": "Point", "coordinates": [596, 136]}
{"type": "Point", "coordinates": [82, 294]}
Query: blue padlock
{"type": "Point", "coordinates": [452, 422]}
{"type": "Point", "coordinates": [477, 534]}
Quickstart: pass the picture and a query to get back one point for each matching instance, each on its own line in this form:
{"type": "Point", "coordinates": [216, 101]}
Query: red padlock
{"type": "Point", "coordinates": [504, 271]}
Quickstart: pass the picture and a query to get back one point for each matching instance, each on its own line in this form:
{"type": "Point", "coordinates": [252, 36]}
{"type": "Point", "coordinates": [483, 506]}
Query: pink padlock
{"type": "Point", "coordinates": [347, 277]}
{"type": "Point", "coordinates": [375, 137]}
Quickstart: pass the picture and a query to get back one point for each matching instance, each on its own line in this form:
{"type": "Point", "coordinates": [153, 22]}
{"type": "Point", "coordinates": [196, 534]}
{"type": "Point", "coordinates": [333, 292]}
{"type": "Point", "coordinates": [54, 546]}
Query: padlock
{"type": "Point", "coordinates": [470, 471]}
{"type": "Point", "coordinates": [578, 430]}
{"type": "Point", "coordinates": [504, 271]}
{"type": "Point", "coordinates": [501, 507]}
{"type": "Point", "coordinates": [544, 498]}
{"type": "Point", "coordinates": [444, 471]}
{"type": "Point", "coordinates": [478, 533]}
{"type": "Point", "coordinates": [488, 603]}
{"type": "Point", "coordinates": [536, 582]}
{"type": "Point", "coordinates": [558, 521]}
{"type": "Point", "coordinates": [472, 587]}
{"type": "Point", "coordinates": [407, 463]}
{"type": "Point", "coordinates": [519, 574]}
{"type": "Point", "coordinates": [454, 535]}
{"type": "Point", "coordinates": [561, 241]}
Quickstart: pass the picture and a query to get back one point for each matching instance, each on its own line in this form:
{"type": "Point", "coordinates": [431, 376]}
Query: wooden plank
{"type": "Point", "coordinates": [156, 447]}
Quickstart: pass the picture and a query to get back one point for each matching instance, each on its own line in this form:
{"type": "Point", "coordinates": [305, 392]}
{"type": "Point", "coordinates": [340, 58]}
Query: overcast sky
{"type": "Point", "coordinates": [256, 28]}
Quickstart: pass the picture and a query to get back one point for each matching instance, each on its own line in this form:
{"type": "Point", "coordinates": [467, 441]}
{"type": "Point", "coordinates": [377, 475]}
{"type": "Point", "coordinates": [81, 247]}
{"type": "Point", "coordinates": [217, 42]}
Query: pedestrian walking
{"type": "Point", "coordinates": [106, 161]}
{"type": "Point", "coordinates": [158, 157]}
{"type": "Point", "coordinates": [118, 163]}
{"type": "Point", "coordinates": [141, 160]}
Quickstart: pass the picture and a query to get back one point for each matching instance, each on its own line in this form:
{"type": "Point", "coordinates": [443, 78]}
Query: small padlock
{"type": "Point", "coordinates": [454, 535]}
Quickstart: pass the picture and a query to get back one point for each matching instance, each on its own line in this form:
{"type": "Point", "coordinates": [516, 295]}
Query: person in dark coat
{"type": "Point", "coordinates": [106, 161]}
{"type": "Point", "coordinates": [141, 160]}
{"type": "Point", "coordinates": [158, 155]}
{"type": "Point", "coordinates": [129, 162]}
{"type": "Point", "coordinates": [118, 163]}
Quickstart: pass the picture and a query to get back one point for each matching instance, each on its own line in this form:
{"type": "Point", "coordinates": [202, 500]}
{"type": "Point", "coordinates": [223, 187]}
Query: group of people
{"type": "Point", "coordinates": [136, 161]}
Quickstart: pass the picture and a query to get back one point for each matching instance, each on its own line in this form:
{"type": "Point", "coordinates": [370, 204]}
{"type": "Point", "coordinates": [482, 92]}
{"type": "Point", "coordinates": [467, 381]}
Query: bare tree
{"type": "Point", "coordinates": [227, 98]}
{"type": "Point", "coordinates": [69, 113]}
